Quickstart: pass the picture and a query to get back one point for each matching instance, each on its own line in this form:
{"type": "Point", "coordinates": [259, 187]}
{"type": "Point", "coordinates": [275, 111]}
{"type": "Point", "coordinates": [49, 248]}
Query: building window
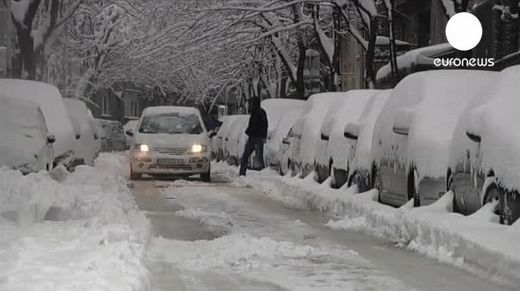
{"type": "Point", "coordinates": [132, 109]}
{"type": "Point", "coordinates": [105, 106]}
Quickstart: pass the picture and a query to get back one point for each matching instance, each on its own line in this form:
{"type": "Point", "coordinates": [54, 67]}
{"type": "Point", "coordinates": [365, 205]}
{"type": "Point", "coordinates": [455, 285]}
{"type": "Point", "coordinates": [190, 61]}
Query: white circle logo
{"type": "Point", "coordinates": [464, 31]}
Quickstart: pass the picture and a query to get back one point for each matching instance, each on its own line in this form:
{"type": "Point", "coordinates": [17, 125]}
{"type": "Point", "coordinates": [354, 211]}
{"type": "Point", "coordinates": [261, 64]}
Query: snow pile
{"type": "Point", "coordinates": [84, 233]}
{"type": "Point", "coordinates": [477, 243]}
{"type": "Point", "coordinates": [285, 265]}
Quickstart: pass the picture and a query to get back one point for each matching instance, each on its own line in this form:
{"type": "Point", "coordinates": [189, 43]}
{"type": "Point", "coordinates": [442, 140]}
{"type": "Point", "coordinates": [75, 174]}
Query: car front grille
{"type": "Point", "coordinates": [171, 151]}
{"type": "Point", "coordinates": [172, 167]}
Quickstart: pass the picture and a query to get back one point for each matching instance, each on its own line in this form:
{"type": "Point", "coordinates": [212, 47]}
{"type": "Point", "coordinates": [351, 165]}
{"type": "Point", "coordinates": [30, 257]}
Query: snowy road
{"type": "Point", "coordinates": [226, 236]}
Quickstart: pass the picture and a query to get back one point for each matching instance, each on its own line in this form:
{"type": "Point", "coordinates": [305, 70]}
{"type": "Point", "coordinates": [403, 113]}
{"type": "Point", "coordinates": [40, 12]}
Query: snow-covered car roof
{"type": "Point", "coordinates": [277, 110]}
{"type": "Point", "coordinates": [429, 104]}
{"type": "Point", "coordinates": [495, 117]}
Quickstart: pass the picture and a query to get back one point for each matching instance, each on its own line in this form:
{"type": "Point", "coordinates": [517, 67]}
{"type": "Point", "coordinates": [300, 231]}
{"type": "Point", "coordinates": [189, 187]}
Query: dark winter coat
{"type": "Point", "coordinates": [257, 124]}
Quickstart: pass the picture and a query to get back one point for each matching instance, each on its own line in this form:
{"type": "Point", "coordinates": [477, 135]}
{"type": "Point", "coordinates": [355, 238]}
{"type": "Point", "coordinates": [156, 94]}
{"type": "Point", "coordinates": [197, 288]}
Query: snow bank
{"type": "Point", "coordinates": [84, 233]}
{"type": "Point", "coordinates": [476, 243]}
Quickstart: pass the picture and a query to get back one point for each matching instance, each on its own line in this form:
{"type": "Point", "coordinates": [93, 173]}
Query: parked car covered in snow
{"type": "Point", "coordinates": [485, 153]}
{"type": "Point", "coordinates": [170, 140]}
{"type": "Point", "coordinates": [85, 151]}
{"type": "Point", "coordinates": [25, 142]}
{"type": "Point", "coordinates": [281, 115]}
{"type": "Point", "coordinates": [413, 133]}
{"type": "Point", "coordinates": [51, 104]}
{"type": "Point", "coordinates": [113, 137]}
{"type": "Point", "coordinates": [303, 137]}
{"type": "Point", "coordinates": [359, 134]}
{"type": "Point", "coordinates": [332, 149]}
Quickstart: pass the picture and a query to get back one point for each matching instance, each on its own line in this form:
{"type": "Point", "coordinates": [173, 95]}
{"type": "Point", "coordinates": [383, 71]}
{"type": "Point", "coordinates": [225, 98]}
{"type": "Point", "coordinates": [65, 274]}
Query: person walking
{"type": "Point", "coordinates": [257, 134]}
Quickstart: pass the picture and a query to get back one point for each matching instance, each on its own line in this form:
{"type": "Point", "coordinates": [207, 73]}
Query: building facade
{"type": "Point", "coordinates": [417, 23]}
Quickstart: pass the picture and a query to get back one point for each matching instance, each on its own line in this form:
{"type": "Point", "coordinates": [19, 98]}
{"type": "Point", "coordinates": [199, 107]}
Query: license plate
{"type": "Point", "coordinates": [170, 162]}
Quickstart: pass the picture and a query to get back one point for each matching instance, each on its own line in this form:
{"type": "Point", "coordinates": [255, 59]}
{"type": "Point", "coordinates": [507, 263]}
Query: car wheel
{"type": "Point", "coordinates": [413, 192]}
{"type": "Point", "coordinates": [134, 176]}
{"type": "Point", "coordinates": [206, 177]}
{"type": "Point", "coordinates": [357, 179]}
{"type": "Point", "coordinates": [378, 183]}
{"type": "Point", "coordinates": [493, 193]}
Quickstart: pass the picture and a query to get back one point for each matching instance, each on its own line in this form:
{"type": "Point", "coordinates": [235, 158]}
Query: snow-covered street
{"type": "Point", "coordinates": [228, 235]}
{"type": "Point", "coordinates": [78, 231]}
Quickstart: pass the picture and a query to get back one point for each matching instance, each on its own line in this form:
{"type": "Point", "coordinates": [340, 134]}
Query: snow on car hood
{"type": "Point", "coordinates": [171, 140]}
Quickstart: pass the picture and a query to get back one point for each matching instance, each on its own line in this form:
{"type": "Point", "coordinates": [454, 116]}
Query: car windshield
{"type": "Point", "coordinates": [20, 119]}
{"type": "Point", "coordinates": [171, 123]}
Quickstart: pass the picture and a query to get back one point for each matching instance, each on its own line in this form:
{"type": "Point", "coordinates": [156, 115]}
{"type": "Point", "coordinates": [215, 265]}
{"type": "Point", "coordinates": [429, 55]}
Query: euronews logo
{"type": "Point", "coordinates": [464, 32]}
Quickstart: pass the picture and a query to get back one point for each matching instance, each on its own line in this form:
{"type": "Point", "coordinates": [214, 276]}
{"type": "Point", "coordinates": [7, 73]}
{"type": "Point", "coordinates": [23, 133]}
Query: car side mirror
{"type": "Point", "coordinates": [351, 131]}
{"type": "Point", "coordinates": [51, 138]}
{"type": "Point", "coordinates": [474, 137]}
{"type": "Point", "coordinates": [129, 132]}
{"type": "Point", "coordinates": [324, 137]}
{"type": "Point", "coordinates": [286, 141]}
{"type": "Point", "coordinates": [402, 121]}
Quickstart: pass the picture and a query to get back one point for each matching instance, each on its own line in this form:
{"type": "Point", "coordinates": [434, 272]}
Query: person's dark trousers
{"type": "Point", "coordinates": [255, 144]}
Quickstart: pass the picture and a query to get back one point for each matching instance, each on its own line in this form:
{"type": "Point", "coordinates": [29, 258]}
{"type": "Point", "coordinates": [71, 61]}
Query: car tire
{"type": "Point", "coordinates": [358, 180]}
{"type": "Point", "coordinates": [378, 183]}
{"type": "Point", "coordinates": [493, 193]}
{"type": "Point", "coordinates": [206, 177]}
{"type": "Point", "coordinates": [135, 176]}
{"type": "Point", "coordinates": [413, 192]}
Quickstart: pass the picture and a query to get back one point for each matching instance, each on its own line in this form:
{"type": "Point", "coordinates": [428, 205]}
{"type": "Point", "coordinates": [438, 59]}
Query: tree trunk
{"type": "Point", "coordinates": [300, 80]}
{"type": "Point", "coordinates": [391, 38]}
{"type": "Point", "coordinates": [511, 33]}
{"type": "Point", "coordinates": [27, 54]}
{"type": "Point", "coordinates": [369, 59]}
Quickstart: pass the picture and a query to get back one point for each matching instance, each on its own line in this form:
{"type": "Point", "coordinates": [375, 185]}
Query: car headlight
{"type": "Point", "coordinates": [198, 148]}
{"type": "Point", "coordinates": [143, 147]}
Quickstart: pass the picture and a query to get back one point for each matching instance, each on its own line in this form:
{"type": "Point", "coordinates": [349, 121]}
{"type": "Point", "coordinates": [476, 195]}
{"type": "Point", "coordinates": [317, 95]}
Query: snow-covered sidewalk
{"type": "Point", "coordinates": [476, 243]}
{"type": "Point", "coordinates": [82, 233]}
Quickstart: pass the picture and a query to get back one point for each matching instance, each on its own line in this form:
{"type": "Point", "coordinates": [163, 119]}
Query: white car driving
{"type": "Point", "coordinates": [170, 141]}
